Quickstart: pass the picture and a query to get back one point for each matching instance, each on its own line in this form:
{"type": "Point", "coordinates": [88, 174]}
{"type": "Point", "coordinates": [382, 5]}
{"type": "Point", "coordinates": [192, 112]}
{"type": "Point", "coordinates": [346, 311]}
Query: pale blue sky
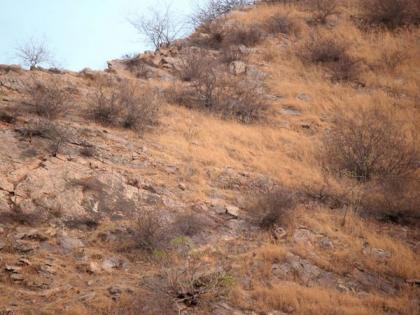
{"type": "Point", "coordinates": [80, 33]}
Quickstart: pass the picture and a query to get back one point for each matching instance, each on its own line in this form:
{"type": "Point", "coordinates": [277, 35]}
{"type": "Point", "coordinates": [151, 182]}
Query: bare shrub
{"type": "Point", "coordinates": [231, 97]}
{"type": "Point", "coordinates": [391, 13]}
{"type": "Point", "coordinates": [322, 9]}
{"type": "Point", "coordinates": [158, 26]}
{"type": "Point", "coordinates": [105, 107]}
{"type": "Point", "coordinates": [149, 232]}
{"type": "Point", "coordinates": [248, 35]}
{"type": "Point", "coordinates": [333, 55]}
{"type": "Point", "coordinates": [241, 99]}
{"type": "Point", "coordinates": [191, 285]}
{"type": "Point", "coordinates": [126, 106]}
{"type": "Point", "coordinates": [323, 50]}
{"type": "Point", "coordinates": [7, 118]}
{"type": "Point", "coordinates": [212, 9]}
{"type": "Point", "coordinates": [46, 129]}
{"type": "Point", "coordinates": [392, 199]}
{"type": "Point", "coordinates": [188, 224]}
{"type": "Point", "coordinates": [137, 66]}
{"type": "Point", "coordinates": [346, 68]}
{"type": "Point", "coordinates": [230, 53]}
{"type": "Point", "coordinates": [194, 62]}
{"type": "Point", "coordinates": [281, 23]}
{"type": "Point", "coordinates": [33, 53]}
{"type": "Point", "coordinates": [87, 150]}
{"type": "Point", "coordinates": [48, 100]}
{"type": "Point", "coordinates": [273, 208]}
{"type": "Point", "coordinates": [140, 108]}
{"type": "Point", "coordinates": [370, 144]}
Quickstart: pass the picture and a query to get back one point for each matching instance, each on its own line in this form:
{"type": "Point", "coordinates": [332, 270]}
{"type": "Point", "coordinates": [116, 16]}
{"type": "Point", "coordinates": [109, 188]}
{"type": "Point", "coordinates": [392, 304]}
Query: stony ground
{"type": "Point", "coordinates": [68, 220]}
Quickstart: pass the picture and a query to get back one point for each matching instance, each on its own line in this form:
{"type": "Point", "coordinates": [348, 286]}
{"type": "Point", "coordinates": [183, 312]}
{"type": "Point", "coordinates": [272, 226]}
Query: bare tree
{"type": "Point", "coordinates": [159, 26]}
{"type": "Point", "coordinates": [211, 9]}
{"type": "Point", "coordinates": [33, 53]}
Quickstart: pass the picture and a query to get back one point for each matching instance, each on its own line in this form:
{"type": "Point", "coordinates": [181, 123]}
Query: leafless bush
{"type": "Point", "coordinates": [273, 208]}
{"type": "Point", "coordinates": [49, 99]}
{"type": "Point", "coordinates": [158, 26]}
{"type": "Point", "coordinates": [87, 150]}
{"type": "Point", "coordinates": [188, 224]}
{"type": "Point", "coordinates": [140, 108]}
{"type": "Point", "coordinates": [391, 13]}
{"type": "Point", "coordinates": [7, 118]}
{"type": "Point", "coordinates": [333, 55]}
{"type": "Point", "coordinates": [194, 63]}
{"type": "Point", "coordinates": [136, 66]}
{"type": "Point", "coordinates": [124, 105]}
{"type": "Point", "coordinates": [248, 35]}
{"type": "Point", "coordinates": [229, 96]}
{"type": "Point", "coordinates": [212, 9]}
{"type": "Point", "coordinates": [281, 23]}
{"type": "Point", "coordinates": [230, 53]}
{"type": "Point", "coordinates": [322, 9]}
{"type": "Point", "coordinates": [370, 144]}
{"type": "Point", "coordinates": [105, 107]}
{"type": "Point", "coordinates": [149, 232]}
{"type": "Point", "coordinates": [346, 68]}
{"type": "Point", "coordinates": [33, 53]}
{"type": "Point", "coordinates": [46, 129]}
{"type": "Point", "coordinates": [393, 199]}
{"type": "Point", "coordinates": [191, 285]}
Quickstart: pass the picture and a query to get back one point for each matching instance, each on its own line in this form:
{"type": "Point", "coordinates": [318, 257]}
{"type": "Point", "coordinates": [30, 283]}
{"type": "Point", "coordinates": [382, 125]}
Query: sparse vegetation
{"type": "Point", "coordinates": [391, 13]}
{"type": "Point", "coordinates": [333, 55]}
{"type": "Point", "coordinates": [149, 231]}
{"type": "Point", "coordinates": [212, 9]}
{"type": "Point", "coordinates": [33, 53]}
{"type": "Point", "coordinates": [49, 100]}
{"type": "Point", "coordinates": [281, 23]}
{"type": "Point", "coordinates": [189, 286]}
{"type": "Point", "coordinates": [248, 35]}
{"type": "Point", "coordinates": [322, 9]}
{"type": "Point", "coordinates": [125, 106]}
{"type": "Point", "coordinates": [46, 129]}
{"type": "Point", "coordinates": [159, 26]}
{"type": "Point", "coordinates": [273, 208]}
{"type": "Point", "coordinates": [370, 144]}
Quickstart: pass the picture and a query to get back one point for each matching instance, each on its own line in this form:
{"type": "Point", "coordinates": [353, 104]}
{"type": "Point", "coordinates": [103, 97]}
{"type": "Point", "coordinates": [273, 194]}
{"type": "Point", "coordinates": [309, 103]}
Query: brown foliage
{"type": "Point", "coordinates": [123, 105]}
{"type": "Point", "coordinates": [391, 13]}
{"type": "Point", "coordinates": [283, 24]}
{"type": "Point", "coordinates": [273, 208]}
{"type": "Point", "coordinates": [48, 100]}
{"type": "Point", "coordinates": [322, 9]}
{"type": "Point", "coordinates": [333, 56]}
{"type": "Point", "coordinates": [370, 144]}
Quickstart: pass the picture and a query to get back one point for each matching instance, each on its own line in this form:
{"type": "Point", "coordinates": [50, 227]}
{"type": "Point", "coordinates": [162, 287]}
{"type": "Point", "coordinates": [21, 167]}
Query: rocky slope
{"type": "Point", "coordinates": [69, 210]}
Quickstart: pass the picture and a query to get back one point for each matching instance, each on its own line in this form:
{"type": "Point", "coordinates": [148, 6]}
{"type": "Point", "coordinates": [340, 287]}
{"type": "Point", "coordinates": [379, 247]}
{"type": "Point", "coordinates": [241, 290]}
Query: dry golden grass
{"type": "Point", "coordinates": [289, 296]}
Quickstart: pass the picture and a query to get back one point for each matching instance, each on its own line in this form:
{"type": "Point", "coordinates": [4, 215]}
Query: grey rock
{"type": "Point", "coordinates": [69, 243]}
{"type": "Point", "coordinates": [14, 269]}
{"type": "Point", "coordinates": [303, 236]}
{"type": "Point", "coordinates": [16, 277]}
{"type": "Point", "coordinates": [303, 97]}
{"type": "Point", "coordinates": [87, 297]}
{"type": "Point", "coordinates": [326, 243]}
{"type": "Point", "coordinates": [377, 253]}
{"type": "Point", "coordinates": [237, 67]}
{"type": "Point", "coordinates": [24, 246]}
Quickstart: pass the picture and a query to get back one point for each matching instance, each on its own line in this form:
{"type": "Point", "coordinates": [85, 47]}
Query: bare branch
{"type": "Point", "coordinates": [160, 27]}
{"type": "Point", "coordinates": [33, 53]}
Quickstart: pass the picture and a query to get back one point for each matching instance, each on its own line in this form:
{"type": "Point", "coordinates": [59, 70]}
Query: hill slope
{"type": "Point", "coordinates": [162, 213]}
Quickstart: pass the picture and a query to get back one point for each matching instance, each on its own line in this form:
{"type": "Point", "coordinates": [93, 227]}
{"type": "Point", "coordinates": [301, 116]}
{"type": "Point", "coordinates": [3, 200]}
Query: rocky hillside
{"type": "Point", "coordinates": [267, 164]}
